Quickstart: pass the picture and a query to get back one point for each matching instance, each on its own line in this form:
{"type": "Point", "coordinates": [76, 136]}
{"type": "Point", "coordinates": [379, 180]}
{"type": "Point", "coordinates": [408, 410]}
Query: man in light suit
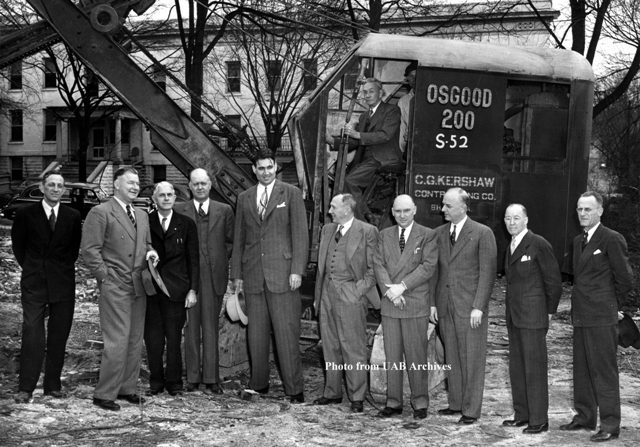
{"type": "Point", "coordinates": [345, 283]}
{"type": "Point", "coordinates": [602, 280]}
{"type": "Point", "coordinates": [175, 238]}
{"type": "Point", "coordinates": [214, 222]}
{"type": "Point", "coordinates": [378, 135]}
{"type": "Point", "coordinates": [406, 259]}
{"type": "Point", "coordinates": [466, 272]}
{"type": "Point", "coordinates": [116, 244]}
{"type": "Point", "coordinates": [534, 286]}
{"type": "Point", "coordinates": [270, 253]}
{"type": "Point", "coordinates": [45, 237]}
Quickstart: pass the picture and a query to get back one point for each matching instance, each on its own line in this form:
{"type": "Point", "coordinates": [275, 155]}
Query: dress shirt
{"type": "Point", "coordinates": [515, 240]}
{"type": "Point", "coordinates": [160, 216]}
{"type": "Point", "coordinates": [591, 231]}
{"type": "Point", "coordinates": [261, 188]}
{"type": "Point", "coordinates": [459, 226]}
{"type": "Point", "coordinates": [407, 232]}
{"type": "Point", "coordinates": [47, 209]}
{"type": "Point", "coordinates": [346, 226]}
{"type": "Point", "coordinates": [205, 206]}
{"type": "Point", "coordinates": [125, 205]}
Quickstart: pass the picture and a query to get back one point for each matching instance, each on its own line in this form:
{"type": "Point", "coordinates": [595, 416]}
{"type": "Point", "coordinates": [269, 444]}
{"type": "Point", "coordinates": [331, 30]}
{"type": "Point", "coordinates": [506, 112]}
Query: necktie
{"type": "Point", "coordinates": [339, 233]}
{"type": "Point", "coordinates": [402, 241]}
{"type": "Point", "coordinates": [264, 199]}
{"type": "Point", "coordinates": [367, 122]}
{"type": "Point", "coordinates": [585, 239]}
{"type": "Point", "coordinates": [452, 236]}
{"type": "Point", "coordinates": [52, 220]}
{"type": "Point", "coordinates": [131, 218]}
{"type": "Point", "coordinates": [201, 212]}
{"type": "Point", "coordinates": [513, 244]}
{"type": "Point", "coordinates": [164, 224]}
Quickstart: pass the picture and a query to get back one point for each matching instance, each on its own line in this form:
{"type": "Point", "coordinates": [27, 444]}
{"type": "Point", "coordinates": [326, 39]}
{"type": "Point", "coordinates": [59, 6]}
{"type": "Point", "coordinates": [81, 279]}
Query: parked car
{"type": "Point", "coordinates": [93, 194]}
{"type": "Point", "coordinates": [145, 197]}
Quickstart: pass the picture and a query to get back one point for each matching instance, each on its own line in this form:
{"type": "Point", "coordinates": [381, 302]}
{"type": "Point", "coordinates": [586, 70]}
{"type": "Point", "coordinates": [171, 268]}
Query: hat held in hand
{"type": "Point", "coordinates": [237, 308]}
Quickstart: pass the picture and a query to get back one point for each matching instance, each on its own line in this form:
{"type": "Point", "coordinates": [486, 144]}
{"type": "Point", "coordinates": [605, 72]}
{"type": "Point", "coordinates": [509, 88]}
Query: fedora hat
{"type": "Point", "coordinates": [628, 334]}
{"type": "Point", "coordinates": [236, 307]}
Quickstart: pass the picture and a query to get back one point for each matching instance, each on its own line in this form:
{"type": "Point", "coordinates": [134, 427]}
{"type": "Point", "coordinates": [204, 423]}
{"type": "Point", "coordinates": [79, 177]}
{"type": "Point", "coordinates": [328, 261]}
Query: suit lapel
{"type": "Point", "coordinates": [353, 239]}
{"type": "Point", "coordinates": [154, 223]}
{"type": "Point", "coordinates": [376, 116]}
{"type": "Point", "coordinates": [324, 246]}
{"type": "Point", "coordinates": [591, 247]}
{"type": "Point", "coordinates": [253, 203]}
{"type": "Point", "coordinates": [275, 199]}
{"type": "Point", "coordinates": [121, 217]}
{"type": "Point", "coordinates": [60, 219]}
{"type": "Point", "coordinates": [214, 214]}
{"type": "Point", "coordinates": [174, 225]}
{"type": "Point", "coordinates": [412, 242]}
{"type": "Point", "coordinates": [463, 238]}
{"type": "Point", "coordinates": [521, 249]}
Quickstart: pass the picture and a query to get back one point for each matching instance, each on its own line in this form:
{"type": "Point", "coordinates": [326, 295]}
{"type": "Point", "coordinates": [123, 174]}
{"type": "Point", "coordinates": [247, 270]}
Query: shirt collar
{"type": "Point", "coordinates": [346, 226]}
{"type": "Point", "coordinates": [459, 226]}
{"type": "Point", "coordinates": [407, 231]}
{"type": "Point", "coordinates": [122, 204]}
{"type": "Point", "coordinates": [205, 206]}
{"type": "Point", "coordinates": [160, 216]}
{"type": "Point", "coordinates": [592, 230]}
{"type": "Point", "coordinates": [47, 208]}
{"type": "Point", "coordinates": [518, 237]}
{"type": "Point", "coordinates": [374, 108]}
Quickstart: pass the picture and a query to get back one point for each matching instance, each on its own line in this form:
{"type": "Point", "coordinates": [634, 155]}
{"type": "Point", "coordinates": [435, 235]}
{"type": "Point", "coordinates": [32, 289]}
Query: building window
{"type": "Point", "coordinates": [233, 76]}
{"type": "Point", "coordinates": [159, 173]}
{"type": "Point", "coordinates": [274, 75]}
{"type": "Point", "coordinates": [99, 142]}
{"type": "Point", "coordinates": [50, 73]}
{"type": "Point", "coordinates": [351, 77]}
{"type": "Point", "coordinates": [16, 168]}
{"type": "Point", "coordinates": [92, 84]}
{"type": "Point", "coordinates": [159, 77]}
{"type": "Point", "coordinates": [15, 76]}
{"type": "Point", "coordinates": [124, 131]}
{"type": "Point", "coordinates": [310, 74]}
{"type": "Point", "coordinates": [49, 125]}
{"type": "Point", "coordinates": [16, 125]}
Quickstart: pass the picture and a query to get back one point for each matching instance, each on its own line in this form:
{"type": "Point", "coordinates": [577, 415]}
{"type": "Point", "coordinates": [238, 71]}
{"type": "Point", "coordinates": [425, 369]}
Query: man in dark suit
{"type": "Point", "coordinates": [602, 280]}
{"type": "Point", "coordinates": [46, 241]}
{"type": "Point", "coordinates": [214, 222]}
{"type": "Point", "coordinates": [466, 273]}
{"type": "Point", "coordinates": [378, 134]}
{"type": "Point", "coordinates": [116, 244]}
{"type": "Point", "coordinates": [175, 238]}
{"type": "Point", "coordinates": [406, 259]}
{"type": "Point", "coordinates": [534, 286]}
{"type": "Point", "coordinates": [270, 252]}
{"type": "Point", "coordinates": [345, 283]}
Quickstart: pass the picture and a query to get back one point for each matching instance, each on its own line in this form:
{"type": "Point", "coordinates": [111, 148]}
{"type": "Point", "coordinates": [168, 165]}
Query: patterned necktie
{"type": "Point", "coordinates": [264, 199]}
{"type": "Point", "coordinates": [452, 236]}
{"type": "Point", "coordinates": [367, 122]}
{"type": "Point", "coordinates": [585, 239]}
{"type": "Point", "coordinates": [52, 220]}
{"type": "Point", "coordinates": [201, 212]}
{"type": "Point", "coordinates": [164, 224]}
{"type": "Point", "coordinates": [131, 218]}
{"type": "Point", "coordinates": [402, 241]}
{"type": "Point", "coordinates": [513, 244]}
{"type": "Point", "coordinates": [339, 233]}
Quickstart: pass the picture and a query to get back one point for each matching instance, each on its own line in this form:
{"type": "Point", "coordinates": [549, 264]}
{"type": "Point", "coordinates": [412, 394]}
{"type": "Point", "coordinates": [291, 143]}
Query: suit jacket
{"type": "Point", "coordinates": [47, 258]}
{"type": "Point", "coordinates": [382, 136]}
{"type": "Point", "coordinates": [271, 250]}
{"type": "Point", "coordinates": [178, 250]}
{"type": "Point", "coordinates": [219, 242]}
{"type": "Point", "coordinates": [112, 247]}
{"type": "Point", "coordinates": [534, 283]}
{"type": "Point", "coordinates": [361, 246]}
{"type": "Point", "coordinates": [602, 278]}
{"type": "Point", "coordinates": [466, 271]}
{"type": "Point", "coordinates": [415, 266]}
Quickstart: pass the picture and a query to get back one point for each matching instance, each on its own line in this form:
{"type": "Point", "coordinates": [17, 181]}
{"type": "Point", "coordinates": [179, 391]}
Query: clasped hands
{"type": "Point", "coordinates": [394, 294]}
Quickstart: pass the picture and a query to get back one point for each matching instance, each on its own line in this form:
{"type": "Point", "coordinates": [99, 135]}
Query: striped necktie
{"type": "Point", "coordinates": [452, 236]}
{"type": "Point", "coordinates": [264, 200]}
{"type": "Point", "coordinates": [131, 218]}
{"type": "Point", "coordinates": [402, 241]}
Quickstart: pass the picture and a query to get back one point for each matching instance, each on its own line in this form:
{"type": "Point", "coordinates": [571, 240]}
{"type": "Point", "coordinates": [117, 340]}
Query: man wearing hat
{"type": "Point", "coordinates": [405, 104]}
{"type": "Point", "coordinates": [602, 280]}
{"type": "Point", "coordinates": [175, 237]}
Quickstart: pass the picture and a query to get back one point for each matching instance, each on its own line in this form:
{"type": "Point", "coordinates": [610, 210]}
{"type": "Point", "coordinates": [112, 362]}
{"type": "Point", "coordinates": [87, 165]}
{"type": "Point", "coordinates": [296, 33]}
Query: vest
{"type": "Point", "coordinates": [336, 261]}
{"type": "Point", "coordinates": [203, 233]}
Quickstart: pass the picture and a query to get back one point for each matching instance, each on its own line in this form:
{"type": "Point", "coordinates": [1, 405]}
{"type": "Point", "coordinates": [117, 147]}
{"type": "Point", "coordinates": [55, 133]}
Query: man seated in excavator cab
{"type": "Point", "coordinates": [377, 135]}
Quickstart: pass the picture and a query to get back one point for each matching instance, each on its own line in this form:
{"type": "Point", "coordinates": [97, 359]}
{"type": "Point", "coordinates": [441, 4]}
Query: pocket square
{"type": "Point", "coordinates": [597, 252]}
{"type": "Point", "coordinates": [525, 258]}
{"type": "Point", "coordinates": [281, 205]}
{"type": "Point", "coordinates": [416, 250]}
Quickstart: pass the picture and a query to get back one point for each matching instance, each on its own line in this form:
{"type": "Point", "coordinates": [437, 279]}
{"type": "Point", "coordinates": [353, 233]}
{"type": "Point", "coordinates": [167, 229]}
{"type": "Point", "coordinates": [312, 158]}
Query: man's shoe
{"type": "Point", "coordinates": [357, 406]}
{"type": "Point", "coordinates": [153, 392]}
{"type": "Point", "coordinates": [387, 412]}
{"type": "Point", "coordinates": [420, 413]}
{"type": "Point", "coordinates": [297, 398]}
{"type": "Point", "coordinates": [327, 401]}
{"type": "Point", "coordinates": [213, 388]}
{"type": "Point", "coordinates": [603, 436]}
{"type": "Point", "coordinates": [175, 392]}
{"type": "Point", "coordinates": [56, 394]}
{"type": "Point", "coordinates": [192, 386]}
{"type": "Point", "coordinates": [467, 420]}
{"type": "Point", "coordinates": [132, 398]}
{"type": "Point", "coordinates": [572, 426]}
{"type": "Point", "coordinates": [106, 404]}
{"type": "Point", "coordinates": [535, 429]}
{"type": "Point", "coordinates": [449, 412]}
{"type": "Point", "coordinates": [264, 390]}
{"type": "Point", "coordinates": [23, 397]}
{"type": "Point", "coordinates": [514, 423]}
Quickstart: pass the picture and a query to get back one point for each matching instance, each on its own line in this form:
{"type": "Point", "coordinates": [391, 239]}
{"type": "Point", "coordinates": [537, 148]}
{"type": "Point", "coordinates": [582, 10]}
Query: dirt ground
{"type": "Point", "coordinates": [195, 419]}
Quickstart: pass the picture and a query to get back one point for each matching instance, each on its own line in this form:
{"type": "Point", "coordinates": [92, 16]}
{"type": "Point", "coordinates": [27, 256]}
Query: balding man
{"type": "Point", "coordinates": [345, 283]}
{"type": "Point", "coordinates": [534, 286]}
{"type": "Point", "coordinates": [175, 238]}
{"type": "Point", "coordinates": [406, 259]}
{"type": "Point", "coordinates": [215, 223]}
{"type": "Point", "coordinates": [466, 273]}
{"type": "Point", "coordinates": [378, 135]}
